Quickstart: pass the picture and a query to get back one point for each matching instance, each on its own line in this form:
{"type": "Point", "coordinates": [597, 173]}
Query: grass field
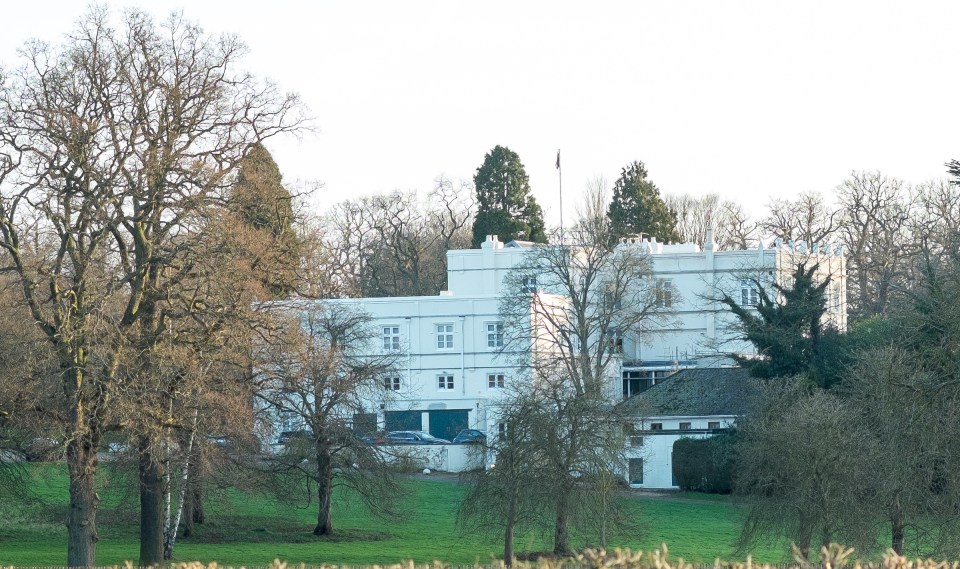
{"type": "Point", "coordinates": [245, 529]}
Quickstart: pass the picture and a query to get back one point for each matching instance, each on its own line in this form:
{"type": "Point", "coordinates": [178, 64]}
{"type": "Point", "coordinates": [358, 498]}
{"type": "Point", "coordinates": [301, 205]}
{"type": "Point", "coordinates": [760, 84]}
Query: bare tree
{"type": "Point", "coordinates": [396, 245]}
{"type": "Point", "coordinates": [875, 215]}
{"type": "Point", "coordinates": [510, 495]}
{"type": "Point", "coordinates": [912, 414]}
{"type": "Point", "coordinates": [807, 218]}
{"type": "Point", "coordinates": [322, 371]}
{"type": "Point", "coordinates": [591, 212]}
{"type": "Point", "coordinates": [27, 383]}
{"type": "Point", "coordinates": [731, 226]}
{"type": "Point", "coordinates": [116, 142]}
{"type": "Point", "coordinates": [566, 312]}
{"type": "Point", "coordinates": [409, 255]}
{"type": "Point", "coordinates": [797, 462]}
{"type": "Point", "coordinates": [734, 228]}
{"type": "Point", "coordinates": [695, 215]}
{"type": "Point", "coordinates": [935, 223]}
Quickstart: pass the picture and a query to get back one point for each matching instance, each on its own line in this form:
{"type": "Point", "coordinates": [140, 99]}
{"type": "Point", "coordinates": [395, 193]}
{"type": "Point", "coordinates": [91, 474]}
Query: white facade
{"type": "Point", "coordinates": [704, 330]}
{"type": "Point", "coordinates": [692, 403]}
{"type": "Point", "coordinates": [452, 368]}
{"type": "Point", "coordinates": [650, 455]}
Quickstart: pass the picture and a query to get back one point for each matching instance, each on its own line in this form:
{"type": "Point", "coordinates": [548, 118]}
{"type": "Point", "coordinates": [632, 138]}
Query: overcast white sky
{"type": "Point", "coordinates": [747, 99]}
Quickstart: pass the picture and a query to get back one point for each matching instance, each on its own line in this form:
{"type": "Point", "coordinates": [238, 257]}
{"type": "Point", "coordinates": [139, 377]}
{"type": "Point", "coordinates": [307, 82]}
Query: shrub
{"type": "Point", "coordinates": [704, 465]}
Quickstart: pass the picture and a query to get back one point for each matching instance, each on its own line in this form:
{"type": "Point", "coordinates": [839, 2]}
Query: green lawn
{"type": "Point", "coordinates": [244, 529]}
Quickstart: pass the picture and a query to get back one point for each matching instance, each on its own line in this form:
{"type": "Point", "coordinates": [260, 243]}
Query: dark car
{"type": "Point", "coordinates": [414, 438]}
{"type": "Point", "coordinates": [374, 438]}
{"type": "Point", "coordinates": [470, 436]}
{"type": "Point", "coordinates": [287, 437]}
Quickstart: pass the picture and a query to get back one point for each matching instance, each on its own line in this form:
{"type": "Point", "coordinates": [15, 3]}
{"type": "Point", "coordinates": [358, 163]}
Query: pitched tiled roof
{"type": "Point", "coordinates": [696, 392]}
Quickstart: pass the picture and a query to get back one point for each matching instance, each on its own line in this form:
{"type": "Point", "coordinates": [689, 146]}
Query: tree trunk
{"type": "Point", "coordinates": [324, 491]}
{"type": "Point", "coordinates": [508, 530]}
{"type": "Point", "coordinates": [173, 525]}
{"type": "Point", "coordinates": [805, 539]}
{"type": "Point", "coordinates": [82, 518]}
{"type": "Point", "coordinates": [561, 531]}
{"type": "Point", "coordinates": [188, 508]}
{"type": "Point", "coordinates": [151, 506]}
{"type": "Point", "coordinates": [195, 491]}
{"type": "Point", "coordinates": [197, 515]}
{"type": "Point", "coordinates": [896, 529]}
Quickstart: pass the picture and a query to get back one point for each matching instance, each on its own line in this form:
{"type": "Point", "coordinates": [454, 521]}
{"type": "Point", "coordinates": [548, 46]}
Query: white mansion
{"type": "Point", "coordinates": [451, 362]}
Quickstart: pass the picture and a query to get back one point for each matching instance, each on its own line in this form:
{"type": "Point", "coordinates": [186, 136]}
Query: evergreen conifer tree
{"type": "Point", "coordinates": [637, 207]}
{"type": "Point", "coordinates": [505, 206]}
{"type": "Point", "coordinates": [787, 333]}
{"type": "Point", "coordinates": [262, 204]}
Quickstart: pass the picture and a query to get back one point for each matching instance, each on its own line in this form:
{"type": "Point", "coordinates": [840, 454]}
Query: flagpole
{"type": "Point", "coordinates": [560, 180]}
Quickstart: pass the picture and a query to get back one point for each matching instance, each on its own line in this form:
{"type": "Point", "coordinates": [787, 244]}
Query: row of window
{"type": "Point", "coordinates": [685, 426]}
{"type": "Point", "coordinates": [446, 382]}
{"type": "Point", "coordinates": [444, 333]}
{"type": "Point", "coordinates": [750, 297]}
{"type": "Point", "coordinates": [636, 441]}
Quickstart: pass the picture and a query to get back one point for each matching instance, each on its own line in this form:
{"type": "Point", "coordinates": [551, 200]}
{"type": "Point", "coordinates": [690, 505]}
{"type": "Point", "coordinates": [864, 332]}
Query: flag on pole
{"type": "Point", "coordinates": [558, 159]}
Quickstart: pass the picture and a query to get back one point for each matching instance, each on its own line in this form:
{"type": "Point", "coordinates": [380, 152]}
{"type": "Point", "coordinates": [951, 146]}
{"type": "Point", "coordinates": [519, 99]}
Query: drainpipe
{"type": "Point", "coordinates": [409, 349]}
{"type": "Point", "coordinates": [463, 357]}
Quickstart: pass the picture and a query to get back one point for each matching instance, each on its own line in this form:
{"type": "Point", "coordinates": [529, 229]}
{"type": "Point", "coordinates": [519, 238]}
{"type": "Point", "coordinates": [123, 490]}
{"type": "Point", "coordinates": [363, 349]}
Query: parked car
{"type": "Point", "coordinates": [290, 436]}
{"type": "Point", "coordinates": [374, 438]}
{"type": "Point", "coordinates": [470, 436]}
{"type": "Point", "coordinates": [44, 449]}
{"type": "Point", "coordinates": [413, 438]}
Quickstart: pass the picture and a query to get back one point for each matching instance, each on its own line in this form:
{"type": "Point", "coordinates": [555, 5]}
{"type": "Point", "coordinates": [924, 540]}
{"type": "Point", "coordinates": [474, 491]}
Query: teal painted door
{"type": "Point", "coordinates": [446, 424]}
{"type": "Point", "coordinates": [635, 474]}
{"type": "Point", "coordinates": [403, 420]}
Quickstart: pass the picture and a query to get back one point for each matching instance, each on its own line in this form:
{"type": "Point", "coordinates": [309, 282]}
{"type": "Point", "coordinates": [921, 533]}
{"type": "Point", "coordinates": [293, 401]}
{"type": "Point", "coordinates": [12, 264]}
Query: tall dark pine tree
{"type": "Point", "coordinates": [637, 207]}
{"type": "Point", "coordinates": [505, 206]}
{"type": "Point", "coordinates": [953, 168]}
{"type": "Point", "coordinates": [261, 202]}
{"type": "Point", "coordinates": [786, 334]}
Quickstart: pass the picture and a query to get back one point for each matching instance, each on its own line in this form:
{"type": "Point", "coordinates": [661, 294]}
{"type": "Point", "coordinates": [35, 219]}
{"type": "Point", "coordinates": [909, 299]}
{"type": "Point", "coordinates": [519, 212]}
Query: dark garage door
{"type": "Point", "coordinates": [364, 423]}
{"type": "Point", "coordinates": [403, 420]}
{"type": "Point", "coordinates": [446, 424]}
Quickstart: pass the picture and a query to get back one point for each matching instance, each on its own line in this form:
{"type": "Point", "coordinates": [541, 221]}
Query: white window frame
{"type": "Point", "coordinates": [444, 336]}
{"type": "Point", "coordinates": [615, 340]}
{"type": "Point", "coordinates": [529, 284]}
{"type": "Point", "coordinates": [494, 332]}
{"type": "Point", "coordinates": [496, 380]}
{"type": "Point", "coordinates": [391, 382]}
{"type": "Point", "coordinates": [446, 382]}
{"type": "Point", "coordinates": [391, 338]}
{"type": "Point", "coordinates": [664, 293]}
{"type": "Point", "coordinates": [749, 295]}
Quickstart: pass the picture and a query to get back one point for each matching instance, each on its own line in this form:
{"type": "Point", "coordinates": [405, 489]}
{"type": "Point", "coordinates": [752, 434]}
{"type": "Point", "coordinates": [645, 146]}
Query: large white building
{"type": "Point", "coordinates": [704, 331]}
{"type": "Point", "coordinates": [452, 365]}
